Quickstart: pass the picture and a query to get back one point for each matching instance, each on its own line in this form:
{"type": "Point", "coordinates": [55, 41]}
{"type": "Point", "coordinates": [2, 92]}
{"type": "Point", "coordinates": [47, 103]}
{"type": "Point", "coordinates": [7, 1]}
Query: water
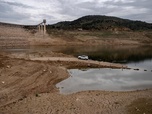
{"type": "Point", "coordinates": [105, 79]}
{"type": "Point", "coordinates": [109, 79]}
{"type": "Point", "coordinates": [112, 79]}
{"type": "Point", "coordinates": [141, 65]}
{"type": "Point", "coordinates": [118, 54]}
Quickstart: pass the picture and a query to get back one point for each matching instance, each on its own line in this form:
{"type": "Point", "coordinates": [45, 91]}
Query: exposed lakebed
{"type": "Point", "coordinates": [137, 58]}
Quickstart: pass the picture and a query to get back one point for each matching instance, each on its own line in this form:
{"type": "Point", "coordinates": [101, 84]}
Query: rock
{"type": "Point", "coordinates": [44, 70]}
{"type": "Point", "coordinates": [3, 82]}
{"type": "Point", "coordinates": [136, 69]}
{"type": "Point", "coordinates": [137, 109]}
{"type": "Point", "coordinates": [8, 66]}
{"type": "Point", "coordinates": [77, 99]}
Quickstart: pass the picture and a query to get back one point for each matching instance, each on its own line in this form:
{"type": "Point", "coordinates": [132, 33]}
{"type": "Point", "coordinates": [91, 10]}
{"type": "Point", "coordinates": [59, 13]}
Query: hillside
{"type": "Point", "coordinates": [97, 22]}
{"type": "Point", "coordinates": [83, 31]}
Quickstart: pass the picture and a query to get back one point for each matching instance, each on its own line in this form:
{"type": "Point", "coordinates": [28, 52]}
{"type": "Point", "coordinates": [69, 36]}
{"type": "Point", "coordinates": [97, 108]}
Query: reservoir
{"type": "Point", "coordinates": [106, 79]}
{"type": "Point", "coordinates": [139, 77]}
{"type": "Point", "coordinates": [138, 58]}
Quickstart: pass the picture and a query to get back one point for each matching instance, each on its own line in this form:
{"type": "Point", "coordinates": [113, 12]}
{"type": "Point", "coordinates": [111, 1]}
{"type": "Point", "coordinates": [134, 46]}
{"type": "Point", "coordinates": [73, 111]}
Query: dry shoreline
{"type": "Point", "coordinates": [27, 83]}
{"type": "Point", "coordinates": [29, 87]}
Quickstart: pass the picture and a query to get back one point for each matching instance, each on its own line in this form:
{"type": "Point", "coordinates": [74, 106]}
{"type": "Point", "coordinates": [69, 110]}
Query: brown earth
{"type": "Point", "coordinates": [62, 37]}
{"type": "Point", "coordinates": [28, 87]}
{"type": "Point", "coordinates": [27, 83]}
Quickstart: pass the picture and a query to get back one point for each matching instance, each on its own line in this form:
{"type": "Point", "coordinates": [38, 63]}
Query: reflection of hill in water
{"type": "Point", "coordinates": [103, 53]}
{"type": "Point", "coordinates": [124, 55]}
{"type": "Point", "coordinates": [111, 53]}
{"type": "Point", "coordinates": [119, 54]}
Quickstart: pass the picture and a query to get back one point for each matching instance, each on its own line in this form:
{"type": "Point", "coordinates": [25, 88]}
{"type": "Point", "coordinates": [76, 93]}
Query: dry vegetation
{"type": "Point", "coordinates": [103, 37]}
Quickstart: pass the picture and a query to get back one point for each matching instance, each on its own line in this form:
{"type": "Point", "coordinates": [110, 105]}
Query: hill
{"type": "Point", "coordinates": [97, 22]}
{"type": "Point", "coordinates": [97, 30]}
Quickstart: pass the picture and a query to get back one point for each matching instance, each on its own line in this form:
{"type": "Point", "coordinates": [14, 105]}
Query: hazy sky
{"type": "Point", "coordinates": [34, 11]}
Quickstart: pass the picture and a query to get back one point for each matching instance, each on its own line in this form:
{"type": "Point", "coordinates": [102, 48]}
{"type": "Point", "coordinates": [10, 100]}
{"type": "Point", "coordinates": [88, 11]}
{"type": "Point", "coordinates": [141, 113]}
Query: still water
{"type": "Point", "coordinates": [112, 79]}
{"type": "Point", "coordinates": [104, 79]}
{"type": "Point", "coordinates": [111, 53]}
{"type": "Point", "coordinates": [120, 54]}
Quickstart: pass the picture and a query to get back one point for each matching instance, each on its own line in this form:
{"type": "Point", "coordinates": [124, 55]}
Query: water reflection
{"type": "Point", "coordinates": [142, 65]}
{"type": "Point", "coordinates": [120, 54]}
{"type": "Point", "coordinates": [105, 79]}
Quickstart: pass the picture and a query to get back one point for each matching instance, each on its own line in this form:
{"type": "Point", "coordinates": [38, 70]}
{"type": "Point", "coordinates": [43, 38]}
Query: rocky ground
{"type": "Point", "coordinates": [18, 36]}
{"type": "Point", "coordinates": [27, 86]}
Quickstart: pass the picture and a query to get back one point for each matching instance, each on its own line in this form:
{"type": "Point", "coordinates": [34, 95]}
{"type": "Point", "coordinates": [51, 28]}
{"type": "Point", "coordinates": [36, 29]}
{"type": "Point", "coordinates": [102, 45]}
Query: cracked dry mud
{"type": "Point", "coordinates": [28, 87]}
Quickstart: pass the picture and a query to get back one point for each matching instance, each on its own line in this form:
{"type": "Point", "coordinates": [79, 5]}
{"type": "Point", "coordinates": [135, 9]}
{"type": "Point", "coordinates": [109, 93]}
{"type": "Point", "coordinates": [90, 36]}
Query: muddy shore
{"type": "Point", "coordinates": [27, 82]}
{"type": "Point", "coordinates": [28, 87]}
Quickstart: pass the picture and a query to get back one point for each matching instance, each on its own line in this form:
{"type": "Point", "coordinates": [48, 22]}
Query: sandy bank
{"type": "Point", "coordinates": [72, 59]}
{"type": "Point", "coordinates": [27, 81]}
{"type": "Point", "coordinates": [28, 86]}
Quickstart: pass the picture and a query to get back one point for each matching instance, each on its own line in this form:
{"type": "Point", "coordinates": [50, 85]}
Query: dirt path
{"type": "Point", "coordinates": [19, 78]}
{"type": "Point", "coordinates": [72, 59]}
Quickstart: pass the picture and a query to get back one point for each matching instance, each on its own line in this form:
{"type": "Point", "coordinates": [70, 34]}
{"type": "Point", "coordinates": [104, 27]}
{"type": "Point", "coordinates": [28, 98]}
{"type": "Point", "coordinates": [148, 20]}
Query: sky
{"type": "Point", "coordinates": [34, 11]}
